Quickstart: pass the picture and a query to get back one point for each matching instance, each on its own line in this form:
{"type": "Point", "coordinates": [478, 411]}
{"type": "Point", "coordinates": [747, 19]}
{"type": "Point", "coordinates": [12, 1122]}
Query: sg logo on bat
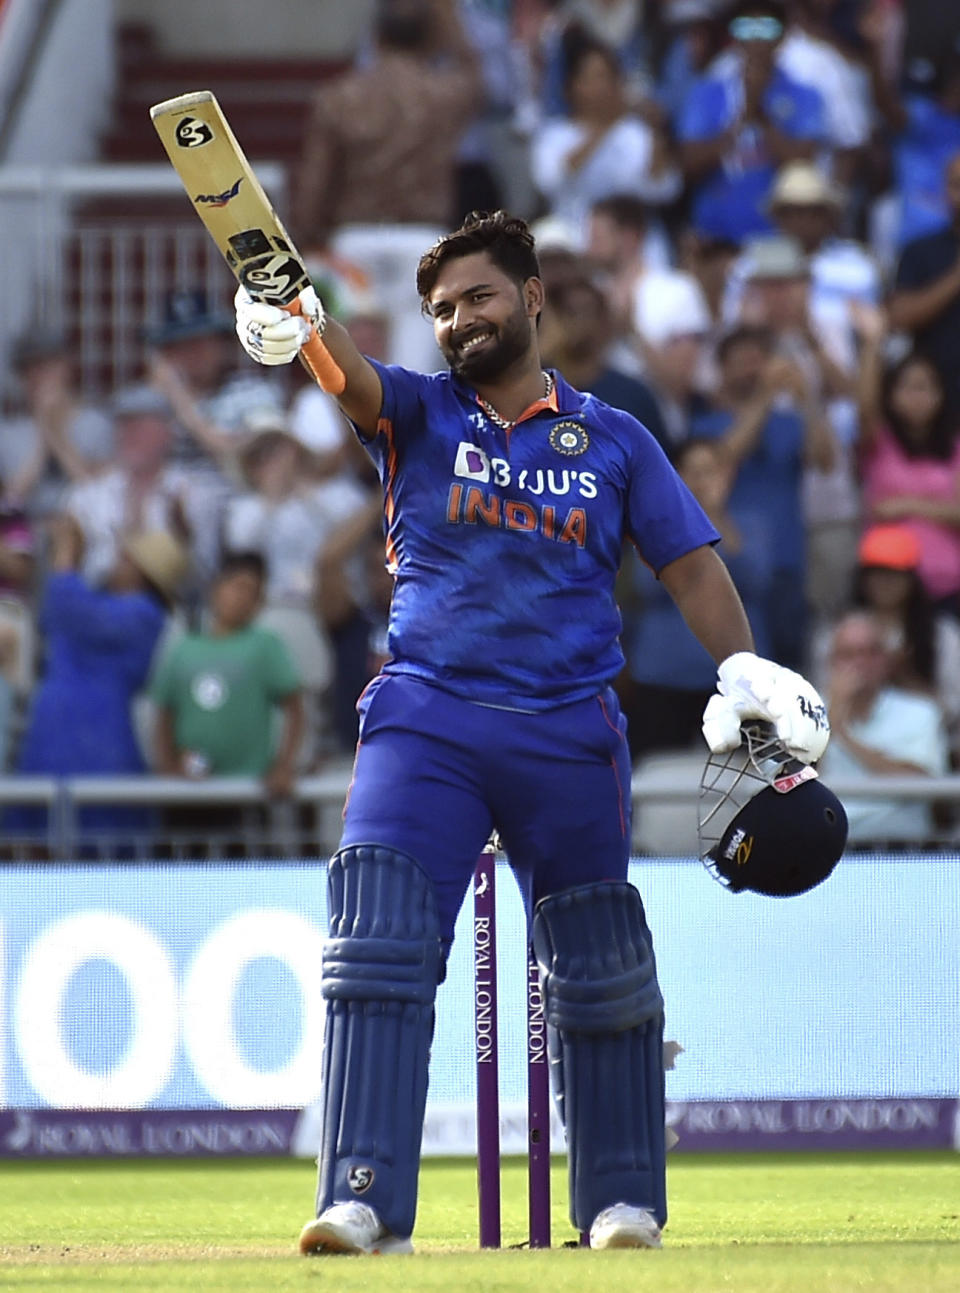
{"type": "Point", "coordinates": [191, 133]}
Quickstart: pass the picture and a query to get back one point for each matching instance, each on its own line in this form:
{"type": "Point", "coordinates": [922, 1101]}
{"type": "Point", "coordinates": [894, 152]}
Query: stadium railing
{"type": "Point", "coordinates": [232, 817]}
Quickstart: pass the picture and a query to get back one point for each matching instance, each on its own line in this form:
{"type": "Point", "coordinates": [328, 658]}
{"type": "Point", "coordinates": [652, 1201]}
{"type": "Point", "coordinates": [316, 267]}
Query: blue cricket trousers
{"type": "Point", "coordinates": [434, 774]}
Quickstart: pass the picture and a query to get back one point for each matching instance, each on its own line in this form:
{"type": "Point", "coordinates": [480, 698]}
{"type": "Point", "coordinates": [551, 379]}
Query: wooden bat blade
{"type": "Point", "coordinates": [228, 197]}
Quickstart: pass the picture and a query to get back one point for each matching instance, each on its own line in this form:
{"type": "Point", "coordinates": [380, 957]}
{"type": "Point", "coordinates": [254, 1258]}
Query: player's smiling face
{"type": "Point", "coordinates": [482, 320]}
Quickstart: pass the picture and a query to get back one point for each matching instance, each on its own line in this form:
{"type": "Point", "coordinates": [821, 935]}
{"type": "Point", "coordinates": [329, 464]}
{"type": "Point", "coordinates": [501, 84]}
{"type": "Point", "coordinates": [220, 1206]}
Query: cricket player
{"type": "Point", "coordinates": [507, 495]}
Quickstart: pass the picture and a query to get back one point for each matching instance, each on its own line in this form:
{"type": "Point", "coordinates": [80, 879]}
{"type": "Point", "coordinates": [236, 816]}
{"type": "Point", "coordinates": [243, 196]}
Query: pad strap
{"type": "Point", "coordinates": [380, 969]}
{"type": "Point", "coordinates": [605, 1023]}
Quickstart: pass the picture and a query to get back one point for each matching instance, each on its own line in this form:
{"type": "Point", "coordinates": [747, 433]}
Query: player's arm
{"type": "Point", "coordinates": [272, 336]}
{"type": "Point", "coordinates": [706, 597]}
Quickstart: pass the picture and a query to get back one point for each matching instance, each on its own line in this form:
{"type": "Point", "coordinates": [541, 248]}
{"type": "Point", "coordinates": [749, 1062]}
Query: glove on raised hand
{"type": "Point", "coordinates": [751, 687]}
{"type": "Point", "coordinates": [270, 335]}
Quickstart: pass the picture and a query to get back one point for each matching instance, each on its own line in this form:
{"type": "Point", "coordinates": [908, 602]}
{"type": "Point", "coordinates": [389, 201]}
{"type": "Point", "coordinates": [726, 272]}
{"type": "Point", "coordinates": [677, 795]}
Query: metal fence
{"type": "Point", "coordinates": [158, 818]}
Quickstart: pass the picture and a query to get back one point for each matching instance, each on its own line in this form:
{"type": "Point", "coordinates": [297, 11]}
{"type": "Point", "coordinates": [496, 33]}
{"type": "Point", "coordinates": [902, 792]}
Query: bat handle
{"type": "Point", "coordinates": [318, 361]}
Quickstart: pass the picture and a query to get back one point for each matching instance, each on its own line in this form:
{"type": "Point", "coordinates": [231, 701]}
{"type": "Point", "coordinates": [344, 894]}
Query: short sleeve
{"type": "Point", "coordinates": [401, 413]}
{"type": "Point", "coordinates": [663, 518]}
{"type": "Point", "coordinates": [280, 673]}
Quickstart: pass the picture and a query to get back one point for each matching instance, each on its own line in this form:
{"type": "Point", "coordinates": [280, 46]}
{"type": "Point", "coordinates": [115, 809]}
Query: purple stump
{"type": "Point", "coordinates": [485, 1036]}
{"type": "Point", "coordinates": [538, 1111]}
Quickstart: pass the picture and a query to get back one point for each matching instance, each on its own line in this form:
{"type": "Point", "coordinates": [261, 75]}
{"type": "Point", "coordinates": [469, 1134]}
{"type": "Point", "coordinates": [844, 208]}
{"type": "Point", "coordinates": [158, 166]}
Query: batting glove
{"type": "Point", "coordinates": [270, 335]}
{"type": "Point", "coordinates": [750, 687]}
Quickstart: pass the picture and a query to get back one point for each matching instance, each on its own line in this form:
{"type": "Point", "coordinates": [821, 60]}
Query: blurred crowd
{"type": "Point", "coordinates": [748, 216]}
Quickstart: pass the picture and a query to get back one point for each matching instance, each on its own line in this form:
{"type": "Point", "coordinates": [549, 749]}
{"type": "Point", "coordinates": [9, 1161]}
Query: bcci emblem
{"type": "Point", "coordinates": [360, 1179]}
{"type": "Point", "coordinates": [569, 438]}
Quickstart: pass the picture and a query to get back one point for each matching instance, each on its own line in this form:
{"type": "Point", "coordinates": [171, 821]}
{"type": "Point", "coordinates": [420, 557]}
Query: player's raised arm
{"type": "Point", "coordinates": [274, 336]}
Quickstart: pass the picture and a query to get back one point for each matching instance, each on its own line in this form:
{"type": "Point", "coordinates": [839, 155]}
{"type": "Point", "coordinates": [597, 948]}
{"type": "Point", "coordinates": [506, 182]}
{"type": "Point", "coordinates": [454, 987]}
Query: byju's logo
{"type": "Point", "coordinates": [472, 463]}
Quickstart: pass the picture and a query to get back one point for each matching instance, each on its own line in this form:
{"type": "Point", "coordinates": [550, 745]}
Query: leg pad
{"type": "Point", "coordinates": [605, 1023]}
{"type": "Point", "coordinates": [380, 968]}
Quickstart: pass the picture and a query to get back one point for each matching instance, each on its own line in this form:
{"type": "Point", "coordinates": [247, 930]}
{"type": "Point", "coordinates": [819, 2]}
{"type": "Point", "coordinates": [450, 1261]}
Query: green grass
{"type": "Point", "coordinates": [754, 1224]}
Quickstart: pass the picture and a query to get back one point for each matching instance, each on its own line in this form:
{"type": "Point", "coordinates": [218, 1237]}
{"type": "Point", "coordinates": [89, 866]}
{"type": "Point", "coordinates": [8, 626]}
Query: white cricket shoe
{"type": "Point", "coordinates": [350, 1228]}
{"type": "Point", "coordinates": [623, 1226]}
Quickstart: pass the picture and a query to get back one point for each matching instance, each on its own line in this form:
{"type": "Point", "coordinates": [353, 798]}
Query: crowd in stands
{"type": "Point", "coordinates": [748, 215]}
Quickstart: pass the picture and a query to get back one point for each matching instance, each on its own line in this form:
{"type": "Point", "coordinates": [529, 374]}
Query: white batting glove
{"type": "Point", "coordinates": [750, 687]}
{"type": "Point", "coordinates": [270, 335]}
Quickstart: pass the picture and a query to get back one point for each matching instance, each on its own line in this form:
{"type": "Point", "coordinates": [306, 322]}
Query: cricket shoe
{"type": "Point", "coordinates": [623, 1226]}
{"type": "Point", "coordinates": [350, 1228]}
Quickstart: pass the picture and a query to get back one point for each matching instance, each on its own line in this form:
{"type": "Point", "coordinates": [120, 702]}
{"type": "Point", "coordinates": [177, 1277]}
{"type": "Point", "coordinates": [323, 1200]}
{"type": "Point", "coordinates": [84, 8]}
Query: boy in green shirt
{"type": "Point", "coordinates": [216, 691]}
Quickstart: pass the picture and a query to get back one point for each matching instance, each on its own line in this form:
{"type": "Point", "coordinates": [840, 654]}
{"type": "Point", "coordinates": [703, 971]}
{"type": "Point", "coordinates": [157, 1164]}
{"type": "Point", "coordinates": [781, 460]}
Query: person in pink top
{"type": "Point", "coordinates": [910, 454]}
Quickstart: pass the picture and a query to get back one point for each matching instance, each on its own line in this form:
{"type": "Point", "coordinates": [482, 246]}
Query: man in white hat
{"type": "Point", "coordinates": [806, 206]}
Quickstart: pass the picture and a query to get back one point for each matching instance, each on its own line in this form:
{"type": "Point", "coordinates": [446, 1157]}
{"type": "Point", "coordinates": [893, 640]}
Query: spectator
{"type": "Point", "coordinates": [710, 261]}
{"type": "Point", "coordinates": [777, 296]}
{"type": "Point", "coordinates": [668, 676]}
{"type": "Point", "coordinates": [921, 106]}
{"type": "Point", "coordinates": [924, 646]}
{"type": "Point", "coordinates": [16, 619]}
{"type": "Point", "coordinates": [817, 53]}
{"type": "Point", "coordinates": [575, 337]}
{"type": "Point", "coordinates": [741, 122]}
{"type": "Point", "coordinates": [615, 24]}
{"type": "Point", "coordinates": [600, 148]}
{"type": "Point", "coordinates": [58, 439]}
{"type": "Point", "coordinates": [99, 644]}
{"type": "Point", "coordinates": [145, 490]}
{"type": "Point", "coordinates": [641, 292]}
{"type": "Point", "coordinates": [768, 431]}
{"type": "Point", "coordinates": [192, 364]}
{"type": "Point", "coordinates": [287, 517]}
{"type": "Point", "coordinates": [926, 297]}
{"type": "Point", "coordinates": [879, 730]}
{"type": "Point", "coordinates": [911, 461]}
{"type": "Point", "coordinates": [696, 36]}
{"type": "Point", "coordinates": [216, 691]}
{"type": "Point", "coordinates": [378, 172]}
{"type": "Point", "coordinates": [806, 207]}
{"type": "Point", "coordinates": [673, 338]}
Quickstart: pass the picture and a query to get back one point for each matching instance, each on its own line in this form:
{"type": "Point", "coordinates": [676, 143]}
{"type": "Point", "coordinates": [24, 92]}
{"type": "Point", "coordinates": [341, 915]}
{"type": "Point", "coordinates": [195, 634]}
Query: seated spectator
{"type": "Point", "coordinates": [145, 490]}
{"type": "Point", "coordinates": [575, 338]}
{"type": "Point", "coordinates": [57, 439]}
{"type": "Point", "coordinates": [99, 644]}
{"type": "Point", "coordinates": [600, 148]}
{"type": "Point", "coordinates": [673, 328]}
{"type": "Point", "coordinates": [216, 691]}
{"type": "Point", "coordinates": [696, 34]}
{"type": "Point", "coordinates": [879, 730]}
{"type": "Point", "coordinates": [924, 647]}
{"type": "Point", "coordinates": [926, 297]}
{"type": "Point", "coordinates": [669, 676]}
{"type": "Point", "coordinates": [741, 122]}
{"type": "Point", "coordinates": [910, 451]}
{"type": "Point", "coordinates": [768, 432]}
{"type": "Point", "coordinates": [192, 364]}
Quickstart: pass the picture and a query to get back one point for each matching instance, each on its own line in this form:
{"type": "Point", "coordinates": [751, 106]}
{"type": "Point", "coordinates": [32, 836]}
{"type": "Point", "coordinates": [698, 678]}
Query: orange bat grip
{"type": "Point", "coordinates": [318, 361]}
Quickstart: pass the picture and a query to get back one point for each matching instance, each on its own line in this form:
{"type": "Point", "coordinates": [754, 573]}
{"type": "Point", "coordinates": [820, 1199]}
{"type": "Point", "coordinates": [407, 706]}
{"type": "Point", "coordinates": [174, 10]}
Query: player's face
{"type": "Point", "coordinates": [483, 322]}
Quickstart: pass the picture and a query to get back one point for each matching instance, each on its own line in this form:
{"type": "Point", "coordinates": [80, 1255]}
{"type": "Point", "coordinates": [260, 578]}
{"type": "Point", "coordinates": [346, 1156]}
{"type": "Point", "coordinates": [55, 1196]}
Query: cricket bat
{"type": "Point", "coordinates": [231, 202]}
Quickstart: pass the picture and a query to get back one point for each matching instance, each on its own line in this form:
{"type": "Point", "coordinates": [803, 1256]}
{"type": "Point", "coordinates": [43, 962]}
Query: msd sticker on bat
{"type": "Point", "coordinates": [219, 199]}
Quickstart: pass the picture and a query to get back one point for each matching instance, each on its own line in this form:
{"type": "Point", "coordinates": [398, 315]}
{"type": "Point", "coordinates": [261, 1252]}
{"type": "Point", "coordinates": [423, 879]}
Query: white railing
{"type": "Point", "coordinates": [278, 829]}
{"type": "Point", "coordinates": [104, 280]}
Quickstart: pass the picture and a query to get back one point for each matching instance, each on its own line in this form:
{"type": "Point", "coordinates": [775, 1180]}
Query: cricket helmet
{"type": "Point", "coordinates": [766, 821]}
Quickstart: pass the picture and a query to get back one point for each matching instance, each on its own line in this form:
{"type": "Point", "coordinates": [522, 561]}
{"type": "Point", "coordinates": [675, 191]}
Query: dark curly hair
{"type": "Point", "coordinates": [505, 238]}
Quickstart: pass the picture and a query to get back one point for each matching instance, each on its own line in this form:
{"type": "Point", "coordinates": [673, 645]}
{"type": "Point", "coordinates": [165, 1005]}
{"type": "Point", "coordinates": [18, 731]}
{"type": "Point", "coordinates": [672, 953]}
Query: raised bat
{"type": "Point", "coordinates": [231, 202]}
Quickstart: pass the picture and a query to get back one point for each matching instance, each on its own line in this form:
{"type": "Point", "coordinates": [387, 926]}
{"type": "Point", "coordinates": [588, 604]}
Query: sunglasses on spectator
{"type": "Point", "coordinates": [761, 27]}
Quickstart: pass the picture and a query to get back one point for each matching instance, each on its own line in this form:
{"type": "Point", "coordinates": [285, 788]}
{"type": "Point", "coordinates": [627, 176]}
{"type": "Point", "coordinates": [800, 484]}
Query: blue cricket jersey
{"type": "Point", "coordinates": [505, 544]}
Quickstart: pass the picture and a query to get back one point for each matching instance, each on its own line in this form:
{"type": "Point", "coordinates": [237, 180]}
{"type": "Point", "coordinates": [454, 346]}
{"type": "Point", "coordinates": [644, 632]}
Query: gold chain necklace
{"type": "Point", "coordinates": [504, 423]}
